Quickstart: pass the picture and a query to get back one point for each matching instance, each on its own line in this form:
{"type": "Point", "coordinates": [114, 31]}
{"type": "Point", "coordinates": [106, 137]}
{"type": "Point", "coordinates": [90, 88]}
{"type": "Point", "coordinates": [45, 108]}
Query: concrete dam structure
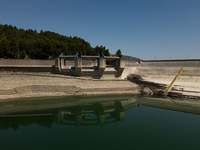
{"type": "Point", "coordinates": [88, 65]}
{"type": "Point", "coordinates": [142, 73]}
{"type": "Point", "coordinates": [96, 68]}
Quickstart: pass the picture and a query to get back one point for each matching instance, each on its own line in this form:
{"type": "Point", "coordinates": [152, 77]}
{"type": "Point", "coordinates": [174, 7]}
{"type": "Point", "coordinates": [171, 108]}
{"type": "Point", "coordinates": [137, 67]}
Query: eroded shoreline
{"type": "Point", "coordinates": [184, 87]}
{"type": "Point", "coordinates": [23, 85]}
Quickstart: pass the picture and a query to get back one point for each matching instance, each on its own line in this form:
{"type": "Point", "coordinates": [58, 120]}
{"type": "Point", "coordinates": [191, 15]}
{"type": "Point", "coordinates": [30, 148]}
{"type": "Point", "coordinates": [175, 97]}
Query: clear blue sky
{"type": "Point", "coordinates": [146, 29]}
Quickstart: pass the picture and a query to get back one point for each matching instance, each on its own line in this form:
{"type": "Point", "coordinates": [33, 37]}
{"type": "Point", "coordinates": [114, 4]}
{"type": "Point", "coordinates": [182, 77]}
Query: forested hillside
{"type": "Point", "coordinates": [20, 43]}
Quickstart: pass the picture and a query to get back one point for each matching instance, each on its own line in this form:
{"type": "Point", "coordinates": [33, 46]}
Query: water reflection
{"type": "Point", "coordinates": [82, 111]}
{"type": "Point", "coordinates": [79, 111]}
{"type": "Point", "coordinates": [94, 114]}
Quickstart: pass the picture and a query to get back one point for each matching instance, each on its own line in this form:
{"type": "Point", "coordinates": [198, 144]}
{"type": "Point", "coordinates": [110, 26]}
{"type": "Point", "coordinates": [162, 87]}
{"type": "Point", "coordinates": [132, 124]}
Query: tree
{"type": "Point", "coordinates": [14, 47]}
{"type": "Point", "coordinates": [22, 54]}
{"type": "Point", "coordinates": [4, 48]}
{"type": "Point", "coordinates": [119, 53]}
{"type": "Point", "coordinates": [101, 50]}
{"type": "Point", "coordinates": [20, 43]}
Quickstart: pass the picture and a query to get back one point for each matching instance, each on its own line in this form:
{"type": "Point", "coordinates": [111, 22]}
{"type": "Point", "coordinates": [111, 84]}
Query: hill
{"type": "Point", "coordinates": [19, 43]}
{"type": "Point", "coordinates": [130, 58]}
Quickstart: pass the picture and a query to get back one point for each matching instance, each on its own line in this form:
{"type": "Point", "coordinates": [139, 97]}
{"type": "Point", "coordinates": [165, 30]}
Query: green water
{"type": "Point", "coordinates": [100, 122]}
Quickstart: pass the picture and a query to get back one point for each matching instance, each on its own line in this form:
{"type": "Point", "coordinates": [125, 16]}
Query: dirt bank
{"type": "Point", "coordinates": [17, 85]}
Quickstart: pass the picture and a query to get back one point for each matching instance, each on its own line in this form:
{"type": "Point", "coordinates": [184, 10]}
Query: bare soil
{"type": "Point", "coordinates": [19, 85]}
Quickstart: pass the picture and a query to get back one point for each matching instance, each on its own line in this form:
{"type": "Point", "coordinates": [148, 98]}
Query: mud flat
{"type": "Point", "coordinates": [19, 85]}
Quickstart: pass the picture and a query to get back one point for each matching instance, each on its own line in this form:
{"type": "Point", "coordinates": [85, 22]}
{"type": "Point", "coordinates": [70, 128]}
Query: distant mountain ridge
{"type": "Point", "coordinates": [130, 58]}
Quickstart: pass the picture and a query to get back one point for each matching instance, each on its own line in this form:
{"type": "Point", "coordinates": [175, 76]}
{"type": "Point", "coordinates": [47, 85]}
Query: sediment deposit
{"type": "Point", "coordinates": [16, 85]}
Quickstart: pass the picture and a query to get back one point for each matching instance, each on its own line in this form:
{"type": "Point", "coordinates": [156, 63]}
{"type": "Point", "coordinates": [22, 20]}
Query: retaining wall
{"type": "Point", "coordinates": [31, 62]}
{"type": "Point", "coordinates": [171, 63]}
{"type": "Point", "coordinates": [40, 68]}
{"type": "Point", "coordinates": [169, 68]}
{"type": "Point", "coordinates": [131, 64]}
{"type": "Point", "coordinates": [30, 65]}
{"type": "Point", "coordinates": [145, 68]}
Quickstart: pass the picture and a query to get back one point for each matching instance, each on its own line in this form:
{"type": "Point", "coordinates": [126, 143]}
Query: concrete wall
{"type": "Point", "coordinates": [95, 63]}
{"type": "Point", "coordinates": [127, 71]}
{"type": "Point", "coordinates": [28, 68]}
{"type": "Point", "coordinates": [131, 64]}
{"type": "Point", "coordinates": [171, 63]}
{"type": "Point", "coordinates": [26, 62]}
{"type": "Point", "coordinates": [169, 68]}
{"type": "Point", "coordinates": [33, 62]}
{"type": "Point", "coordinates": [159, 67]}
{"type": "Point", "coordinates": [69, 62]}
{"type": "Point", "coordinates": [30, 65]}
{"type": "Point", "coordinates": [90, 63]}
{"type": "Point", "coordinates": [84, 63]}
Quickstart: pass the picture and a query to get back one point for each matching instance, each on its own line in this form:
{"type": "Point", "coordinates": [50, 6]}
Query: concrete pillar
{"type": "Point", "coordinates": [120, 65]}
{"type": "Point", "coordinates": [101, 114]}
{"type": "Point", "coordinates": [57, 66]}
{"type": "Point", "coordinates": [117, 63]}
{"type": "Point", "coordinates": [78, 120]}
{"type": "Point", "coordinates": [78, 66]}
{"type": "Point", "coordinates": [119, 112]}
{"type": "Point", "coordinates": [62, 63]}
{"type": "Point", "coordinates": [78, 116]}
{"type": "Point", "coordinates": [101, 65]}
{"type": "Point", "coordinates": [102, 119]}
{"type": "Point", "coordinates": [121, 116]}
{"type": "Point", "coordinates": [59, 117]}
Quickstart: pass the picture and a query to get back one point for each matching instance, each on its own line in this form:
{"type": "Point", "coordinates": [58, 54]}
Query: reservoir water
{"type": "Point", "coordinates": [100, 122]}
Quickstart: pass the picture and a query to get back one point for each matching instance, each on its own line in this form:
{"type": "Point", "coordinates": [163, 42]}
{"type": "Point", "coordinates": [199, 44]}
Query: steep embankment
{"type": "Point", "coordinates": [157, 75]}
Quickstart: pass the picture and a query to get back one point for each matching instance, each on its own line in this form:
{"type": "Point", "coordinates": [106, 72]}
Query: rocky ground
{"type": "Point", "coordinates": [184, 86]}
